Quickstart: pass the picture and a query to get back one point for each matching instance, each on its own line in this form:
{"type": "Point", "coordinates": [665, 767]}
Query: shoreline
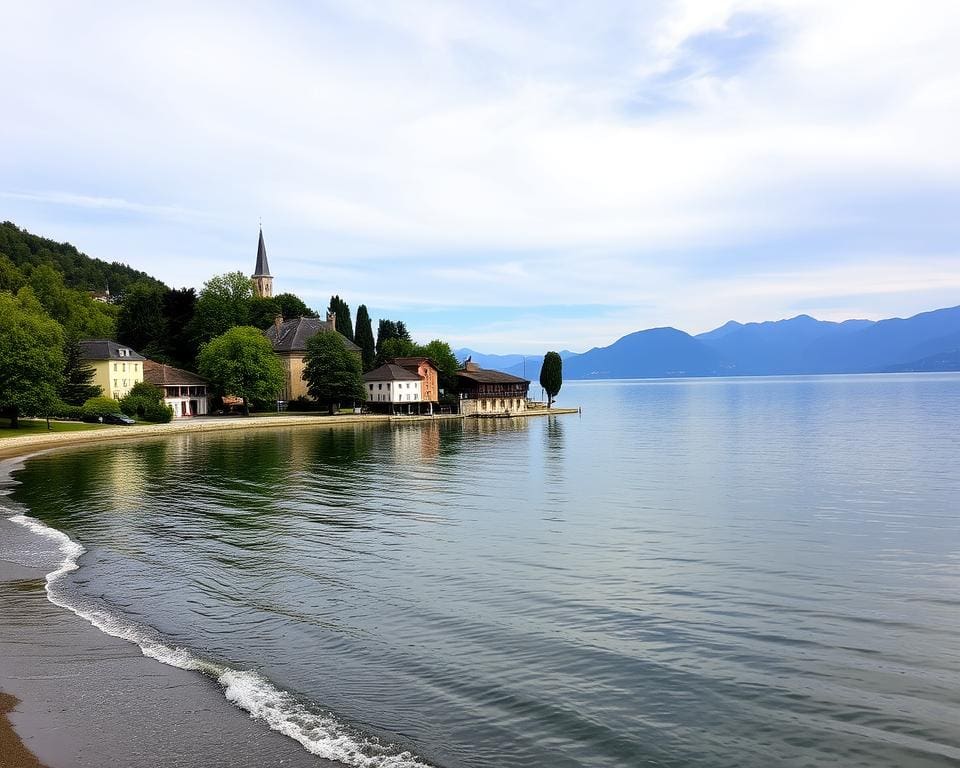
{"type": "Point", "coordinates": [27, 445]}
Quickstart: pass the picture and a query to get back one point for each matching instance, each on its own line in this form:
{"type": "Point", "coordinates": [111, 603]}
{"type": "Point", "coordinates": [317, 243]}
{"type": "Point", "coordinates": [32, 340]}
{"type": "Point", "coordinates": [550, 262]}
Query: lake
{"type": "Point", "coordinates": [725, 572]}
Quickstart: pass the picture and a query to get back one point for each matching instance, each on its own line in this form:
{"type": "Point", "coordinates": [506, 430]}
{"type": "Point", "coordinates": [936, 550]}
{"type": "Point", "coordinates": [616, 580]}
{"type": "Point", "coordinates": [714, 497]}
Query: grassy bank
{"type": "Point", "coordinates": [39, 427]}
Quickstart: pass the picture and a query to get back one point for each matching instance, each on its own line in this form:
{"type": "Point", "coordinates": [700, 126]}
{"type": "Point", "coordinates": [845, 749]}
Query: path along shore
{"type": "Point", "coordinates": [74, 697]}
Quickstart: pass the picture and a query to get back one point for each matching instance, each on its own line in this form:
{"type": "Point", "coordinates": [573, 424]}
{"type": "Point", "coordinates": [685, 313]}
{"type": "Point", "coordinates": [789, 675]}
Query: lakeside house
{"type": "Point", "coordinates": [116, 368]}
{"type": "Point", "coordinates": [391, 388]}
{"type": "Point", "coordinates": [490, 393]}
{"type": "Point", "coordinates": [429, 375]}
{"type": "Point", "coordinates": [185, 392]}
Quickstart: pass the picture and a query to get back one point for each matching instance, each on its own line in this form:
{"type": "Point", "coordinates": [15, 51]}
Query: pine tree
{"type": "Point", "coordinates": [363, 337]}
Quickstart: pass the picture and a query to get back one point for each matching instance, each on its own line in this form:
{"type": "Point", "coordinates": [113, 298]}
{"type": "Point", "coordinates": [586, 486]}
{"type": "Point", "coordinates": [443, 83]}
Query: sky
{"type": "Point", "coordinates": [508, 176]}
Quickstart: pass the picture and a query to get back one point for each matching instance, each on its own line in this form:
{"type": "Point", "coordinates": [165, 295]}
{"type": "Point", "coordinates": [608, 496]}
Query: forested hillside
{"type": "Point", "coordinates": [25, 251]}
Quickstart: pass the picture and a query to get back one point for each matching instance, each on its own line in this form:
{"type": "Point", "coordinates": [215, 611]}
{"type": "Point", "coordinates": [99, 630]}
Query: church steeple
{"type": "Point", "coordinates": [261, 278]}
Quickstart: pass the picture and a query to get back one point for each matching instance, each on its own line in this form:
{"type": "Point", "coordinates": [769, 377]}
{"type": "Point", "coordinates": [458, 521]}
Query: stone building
{"type": "Point", "coordinates": [289, 339]}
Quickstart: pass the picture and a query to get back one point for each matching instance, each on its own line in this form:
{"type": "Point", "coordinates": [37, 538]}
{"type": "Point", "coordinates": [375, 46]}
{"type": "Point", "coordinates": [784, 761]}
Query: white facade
{"type": "Point", "coordinates": [186, 400]}
{"type": "Point", "coordinates": [395, 392]}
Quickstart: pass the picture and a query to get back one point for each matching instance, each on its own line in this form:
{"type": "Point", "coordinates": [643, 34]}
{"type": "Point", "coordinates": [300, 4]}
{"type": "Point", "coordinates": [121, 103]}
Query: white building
{"type": "Point", "coordinates": [393, 389]}
{"type": "Point", "coordinates": [183, 391]}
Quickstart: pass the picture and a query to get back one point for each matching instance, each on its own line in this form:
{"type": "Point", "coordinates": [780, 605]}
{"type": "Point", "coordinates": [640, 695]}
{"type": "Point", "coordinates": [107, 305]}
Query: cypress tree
{"type": "Point", "coordinates": [342, 310]}
{"type": "Point", "coordinates": [363, 337]}
{"type": "Point", "coordinates": [551, 375]}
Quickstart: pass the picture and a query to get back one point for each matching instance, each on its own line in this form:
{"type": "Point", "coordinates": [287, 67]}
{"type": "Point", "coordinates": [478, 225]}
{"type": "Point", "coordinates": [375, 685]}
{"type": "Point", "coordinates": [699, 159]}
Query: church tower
{"type": "Point", "coordinates": [261, 278]}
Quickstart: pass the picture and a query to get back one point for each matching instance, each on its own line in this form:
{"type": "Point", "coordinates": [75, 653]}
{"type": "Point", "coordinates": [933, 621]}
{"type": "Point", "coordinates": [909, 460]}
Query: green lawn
{"type": "Point", "coordinates": [39, 427]}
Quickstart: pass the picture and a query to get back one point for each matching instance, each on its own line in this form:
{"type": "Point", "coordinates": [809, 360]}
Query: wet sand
{"type": "Point", "coordinates": [85, 698]}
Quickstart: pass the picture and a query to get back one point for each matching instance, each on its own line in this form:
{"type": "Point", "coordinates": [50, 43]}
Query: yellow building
{"type": "Point", "coordinates": [116, 367]}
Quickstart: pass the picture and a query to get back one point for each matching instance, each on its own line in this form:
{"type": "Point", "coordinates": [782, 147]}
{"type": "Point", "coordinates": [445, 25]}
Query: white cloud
{"type": "Point", "coordinates": [499, 153]}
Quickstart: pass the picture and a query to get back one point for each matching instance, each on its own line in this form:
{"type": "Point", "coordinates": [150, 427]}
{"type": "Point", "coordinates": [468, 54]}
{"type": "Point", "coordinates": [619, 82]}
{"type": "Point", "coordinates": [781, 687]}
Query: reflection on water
{"type": "Point", "coordinates": [694, 573]}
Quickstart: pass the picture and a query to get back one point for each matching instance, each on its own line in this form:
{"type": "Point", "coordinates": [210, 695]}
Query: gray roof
{"type": "Point", "coordinates": [104, 349]}
{"type": "Point", "coordinates": [293, 335]}
{"type": "Point", "coordinates": [263, 269]}
{"type": "Point", "coordinates": [390, 372]}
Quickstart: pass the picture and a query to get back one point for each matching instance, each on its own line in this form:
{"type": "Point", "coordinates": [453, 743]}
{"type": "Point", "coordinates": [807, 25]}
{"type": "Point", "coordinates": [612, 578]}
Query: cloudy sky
{"type": "Point", "coordinates": [508, 176]}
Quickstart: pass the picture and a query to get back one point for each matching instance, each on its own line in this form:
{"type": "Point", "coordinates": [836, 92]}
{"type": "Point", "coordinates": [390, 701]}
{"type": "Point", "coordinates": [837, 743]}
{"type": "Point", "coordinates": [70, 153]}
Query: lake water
{"type": "Point", "coordinates": [735, 572]}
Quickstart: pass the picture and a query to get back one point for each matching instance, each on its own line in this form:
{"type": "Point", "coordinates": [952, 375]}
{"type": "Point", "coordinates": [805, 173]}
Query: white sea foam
{"type": "Point", "coordinates": [320, 734]}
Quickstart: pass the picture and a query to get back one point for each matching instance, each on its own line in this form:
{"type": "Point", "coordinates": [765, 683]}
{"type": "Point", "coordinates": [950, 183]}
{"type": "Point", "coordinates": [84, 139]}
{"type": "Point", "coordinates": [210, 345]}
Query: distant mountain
{"type": "Point", "coordinates": [775, 347]}
{"type": "Point", "coordinates": [943, 361]}
{"type": "Point", "coordinates": [799, 345]}
{"type": "Point", "coordinates": [654, 353]}
{"type": "Point", "coordinates": [888, 343]}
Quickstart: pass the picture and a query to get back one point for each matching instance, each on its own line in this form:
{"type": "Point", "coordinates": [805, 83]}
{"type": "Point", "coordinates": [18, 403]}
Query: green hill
{"type": "Point", "coordinates": [26, 251]}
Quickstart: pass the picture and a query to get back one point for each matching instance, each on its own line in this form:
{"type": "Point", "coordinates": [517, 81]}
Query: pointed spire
{"type": "Point", "coordinates": [263, 269]}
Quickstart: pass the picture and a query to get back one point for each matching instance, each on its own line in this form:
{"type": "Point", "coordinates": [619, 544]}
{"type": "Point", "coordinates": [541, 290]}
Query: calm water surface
{"type": "Point", "coordinates": [746, 572]}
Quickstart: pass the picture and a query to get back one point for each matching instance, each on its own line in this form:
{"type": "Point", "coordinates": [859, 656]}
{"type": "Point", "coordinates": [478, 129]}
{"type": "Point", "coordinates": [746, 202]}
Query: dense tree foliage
{"type": "Point", "coordinates": [78, 375]}
{"type": "Point", "coordinates": [333, 373]}
{"type": "Point", "coordinates": [180, 348]}
{"type": "Point", "coordinates": [79, 314]}
{"type": "Point", "coordinates": [241, 362]}
{"type": "Point", "coordinates": [363, 338]}
{"type": "Point", "coordinates": [26, 252]}
{"type": "Point", "coordinates": [551, 375]}
{"type": "Point", "coordinates": [292, 306]}
{"type": "Point", "coordinates": [224, 303]}
{"type": "Point", "coordinates": [262, 312]}
{"type": "Point", "coordinates": [387, 330]}
{"type": "Point", "coordinates": [142, 322]}
{"type": "Point", "coordinates": [342, 310]}
{"type": "Point", "coordinates": [31, 357]}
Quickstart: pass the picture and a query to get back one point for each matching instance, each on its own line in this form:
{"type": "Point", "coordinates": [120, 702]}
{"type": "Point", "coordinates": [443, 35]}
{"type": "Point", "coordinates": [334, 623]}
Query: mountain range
{"type": "Point", "coordinates": [929, 341]}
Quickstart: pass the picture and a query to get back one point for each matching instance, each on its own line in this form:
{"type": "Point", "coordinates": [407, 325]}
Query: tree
{"type": "Point", "coordinates": [447, 363]}
{"type": "Point", "coordinates": [79, 314]}
{"type": "Point", "coordinates": [263, 312]}
{"type": "Point", "coordinates": [31, 357]}
{"type": "Point", "coordinates": [387, 330]}
{"type": "Point", "coordinates": [179, 307]}
{"type": "Point", "coordinates": [292, 306]}
{"type": "Point", "coordinates": [78, 386]}
{"type": "Point", "coordinates": [551, 375]}
{"type": "Point", "coordinates": [241, 362]}
{"type": "Point", "coordinates": [363, 338]}
{"type": "Point", "coordinates": [342, 310]}
{"type": "Point", "coordinates": [333, 373]}
{"type": "Point", "coordinates": [223, 303]}
{"type": "Point", "coordinates": [142, 322]}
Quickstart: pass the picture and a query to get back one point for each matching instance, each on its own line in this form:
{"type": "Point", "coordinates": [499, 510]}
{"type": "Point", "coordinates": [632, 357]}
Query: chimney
{"type": "Point", "coordinates": [332, 320]}
{"type": "Point", "coordinates": [277, 322]}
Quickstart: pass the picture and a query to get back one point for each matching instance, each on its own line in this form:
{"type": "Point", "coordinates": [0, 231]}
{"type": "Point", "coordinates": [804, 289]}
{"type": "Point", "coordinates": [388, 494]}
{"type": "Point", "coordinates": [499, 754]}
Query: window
{"type": "Point", "coordinates": [114, 367]}
{"type": "Point", "coordinates": [114, 383]}
{"type": "Point", "coordinates": [379, 386]}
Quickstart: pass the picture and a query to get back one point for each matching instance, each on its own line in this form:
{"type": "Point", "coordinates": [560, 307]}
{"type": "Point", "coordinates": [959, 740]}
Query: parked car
{"type": "Point", "coordinates": [109, 418]}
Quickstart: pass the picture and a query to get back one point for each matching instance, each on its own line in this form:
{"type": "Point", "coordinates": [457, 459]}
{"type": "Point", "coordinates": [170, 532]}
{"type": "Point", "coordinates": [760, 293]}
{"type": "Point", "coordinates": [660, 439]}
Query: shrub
{"type": "Point", "coordinates": [145, 401]}
{"type": "Point", "coordinates": [158, 412]}
{"type": "Point", "coordinates": [100, 406]}
{"type": "Point", "coordinates": [62, 410]}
